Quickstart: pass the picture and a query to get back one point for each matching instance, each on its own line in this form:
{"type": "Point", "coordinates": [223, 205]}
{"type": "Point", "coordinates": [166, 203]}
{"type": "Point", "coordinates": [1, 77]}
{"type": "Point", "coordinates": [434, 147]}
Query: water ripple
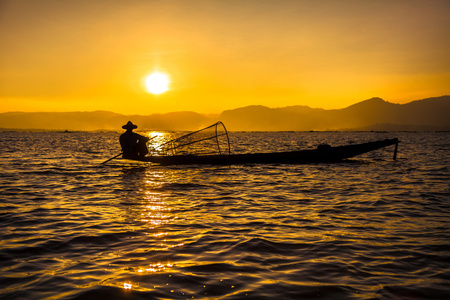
{"type": "Point", "coordinates": [370, 228]}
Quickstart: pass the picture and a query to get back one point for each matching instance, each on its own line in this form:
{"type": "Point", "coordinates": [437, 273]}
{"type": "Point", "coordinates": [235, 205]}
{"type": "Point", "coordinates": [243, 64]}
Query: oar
{"type": "Point", "coordinates": [112, 158]}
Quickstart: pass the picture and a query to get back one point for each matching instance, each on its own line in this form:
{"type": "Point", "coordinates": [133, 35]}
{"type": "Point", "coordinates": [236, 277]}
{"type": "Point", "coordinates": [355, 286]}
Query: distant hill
{"type": "Point", "coordinates": [101, 120]}
{"type": "Point", "coordinates": [371, 114]}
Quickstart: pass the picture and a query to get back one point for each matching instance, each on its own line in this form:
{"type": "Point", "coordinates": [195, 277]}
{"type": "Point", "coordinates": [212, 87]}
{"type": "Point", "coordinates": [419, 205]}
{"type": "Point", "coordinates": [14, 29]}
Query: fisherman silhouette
{"type": "Point", "coordinates": [133, 144]}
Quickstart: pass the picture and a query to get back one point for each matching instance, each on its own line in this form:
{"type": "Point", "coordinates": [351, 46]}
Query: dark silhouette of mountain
{"type": "Point", "coordinates": [371, 114]}
{"type": "Point", "coordinates": [427, 114]}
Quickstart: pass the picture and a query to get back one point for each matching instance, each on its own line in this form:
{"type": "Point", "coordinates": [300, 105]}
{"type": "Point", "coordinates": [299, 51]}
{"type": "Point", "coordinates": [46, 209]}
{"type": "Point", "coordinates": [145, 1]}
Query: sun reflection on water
{"type": "Point", "coordinates": [127, 285]}
{"type": "Point", "coordinates": [157, 139]}
{"type": "Point", "coordinates": [155, 210]}
{"type": "Point", "coordinates": [158, 267]}
{"type": "Point", "coordinates": [151, 209]}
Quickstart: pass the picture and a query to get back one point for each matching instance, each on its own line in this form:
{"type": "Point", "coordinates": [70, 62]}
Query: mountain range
{"type": "Point", "coordinates": [371, 114]}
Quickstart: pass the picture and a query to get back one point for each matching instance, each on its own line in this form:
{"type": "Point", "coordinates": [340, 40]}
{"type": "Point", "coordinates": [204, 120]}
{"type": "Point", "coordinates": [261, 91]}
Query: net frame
{"type": "Point", "coordinates": [182, 145]}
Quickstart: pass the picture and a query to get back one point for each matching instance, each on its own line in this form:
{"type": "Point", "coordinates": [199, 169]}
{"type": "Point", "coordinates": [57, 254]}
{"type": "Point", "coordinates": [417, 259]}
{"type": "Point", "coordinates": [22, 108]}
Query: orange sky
{"type": "Point", "coordinates": [84, 55]}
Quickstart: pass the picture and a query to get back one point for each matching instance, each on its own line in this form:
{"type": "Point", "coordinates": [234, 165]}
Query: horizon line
{"type": "Point", "coordinates": [219, 113]}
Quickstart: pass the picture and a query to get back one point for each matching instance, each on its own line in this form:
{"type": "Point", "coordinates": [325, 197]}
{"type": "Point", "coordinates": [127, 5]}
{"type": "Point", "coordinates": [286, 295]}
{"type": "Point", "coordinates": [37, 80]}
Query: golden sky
{"type": "Point", "coordinates": [84, 55]}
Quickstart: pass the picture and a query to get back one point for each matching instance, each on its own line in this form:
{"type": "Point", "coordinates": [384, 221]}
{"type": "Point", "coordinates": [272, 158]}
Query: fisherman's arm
{"type": "Point", "coordinates": [142, 138]}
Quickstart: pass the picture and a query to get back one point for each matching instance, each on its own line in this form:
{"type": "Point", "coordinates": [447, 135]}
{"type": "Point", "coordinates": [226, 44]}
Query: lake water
{"type": "Point", "coordinates": [369, 228]}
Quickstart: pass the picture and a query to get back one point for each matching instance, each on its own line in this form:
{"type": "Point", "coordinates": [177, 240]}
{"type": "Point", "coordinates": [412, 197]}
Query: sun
{"type": "Point", "coordinates": [157, 83]}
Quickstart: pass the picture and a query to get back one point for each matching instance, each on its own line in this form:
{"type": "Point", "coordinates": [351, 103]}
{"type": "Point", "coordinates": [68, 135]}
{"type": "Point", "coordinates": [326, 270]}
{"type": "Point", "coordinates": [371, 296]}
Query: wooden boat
{"type": "Point", "coordinates": [175, 151]}
{"type": "Point", "coordinates": [323, 154]}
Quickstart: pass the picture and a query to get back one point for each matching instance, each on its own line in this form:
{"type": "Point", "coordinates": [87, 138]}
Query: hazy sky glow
{"type": "Point", "coordinates": [95, 55]}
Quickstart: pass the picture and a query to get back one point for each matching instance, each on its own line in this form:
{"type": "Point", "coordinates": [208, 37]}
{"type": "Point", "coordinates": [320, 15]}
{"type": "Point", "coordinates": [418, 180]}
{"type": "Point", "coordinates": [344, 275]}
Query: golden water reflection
{"type": "Point", "coordinates": [155, 210]}
{"type": "Point", "coordinates": [153, 268]}
{"type": "Point", "coordinates": [127, 285]}
{"type": "Point", "coordinates": [157, 140]}
{"type": "Point", "coordinates": [151, 208]}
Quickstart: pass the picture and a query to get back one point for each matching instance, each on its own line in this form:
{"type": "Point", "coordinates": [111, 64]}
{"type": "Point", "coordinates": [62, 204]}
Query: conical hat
{"type": "Point", "coordinates": [129, 125]}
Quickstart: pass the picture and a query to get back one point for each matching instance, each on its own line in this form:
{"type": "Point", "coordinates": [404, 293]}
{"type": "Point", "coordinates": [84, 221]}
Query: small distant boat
{"type": "Point", "coordinates": [322, 154]}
